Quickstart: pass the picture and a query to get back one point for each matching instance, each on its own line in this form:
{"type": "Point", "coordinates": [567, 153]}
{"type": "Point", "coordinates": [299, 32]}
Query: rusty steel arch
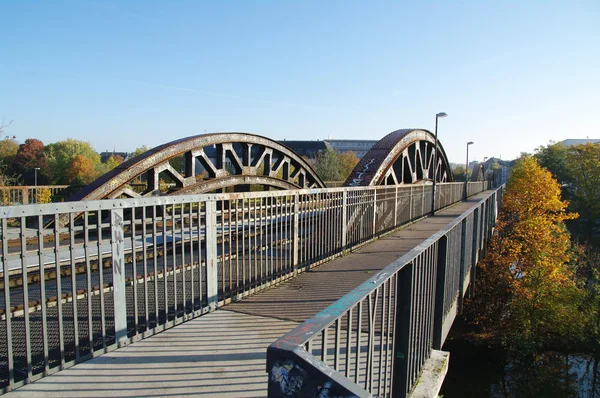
{"type": "Point", "coordinates": [478, 173]}
{"type": "Point", "coordinates": [402, 157]}
{"type": "Point", "coordinates": [226, 159]}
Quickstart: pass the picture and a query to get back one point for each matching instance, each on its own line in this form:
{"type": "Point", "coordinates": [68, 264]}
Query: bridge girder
{"type": "Point", "coordinates": [402, 157]}
{"type": "Point", "coordinates": [227, 159]}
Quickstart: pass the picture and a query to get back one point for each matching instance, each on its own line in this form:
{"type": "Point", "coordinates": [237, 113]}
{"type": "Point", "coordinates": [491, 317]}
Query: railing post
{"type": "Point", "coordinates": [474, 249]}
{"type": "Point", "coordinates": [440, 293]}
{"type": "Point", "coordinates": [25, 195]}
{"type": "Point", "coordinates": [410, 206]}
{"type": "Point", "coordinates": [374, 212]}
{"type": "Point", "coordinates": [295, 242]}
{"type": "Point", "coordinates": [118, 271]}
{"type": "Point", "coordinates": [402, 327]}
{"type": "Point", "coordinates": [396, 207]}
{"type": "Point", "coordinates": [344, 219]}
{"type": "Point", "coordinates": [463, 260]}
{"type": "Point", "coordinates": [212, 277]}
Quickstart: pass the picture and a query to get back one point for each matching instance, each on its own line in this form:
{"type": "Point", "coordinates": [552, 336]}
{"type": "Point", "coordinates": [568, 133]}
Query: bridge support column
{"type": "Point", "coordinates": [212, 278]}
{"type": "Point", "coordinates": [118, 271]}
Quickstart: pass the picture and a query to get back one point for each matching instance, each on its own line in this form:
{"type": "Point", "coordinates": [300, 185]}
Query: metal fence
{"type": "Point", "coordinates": [79, 279]}
{"type": "Point", "coordinates": [22, 195]}
{"type": "Point", "coordinates": [375, 340]}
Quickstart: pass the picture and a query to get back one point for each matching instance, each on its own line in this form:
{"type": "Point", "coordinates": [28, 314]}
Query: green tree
{"type": "Point", "coordinates": [527, 295]}
{"type": "Point", "coordinates": [583, 168]}
{"type": "Point", "coordinates": [8, 151]}
{"type": "Point", "coordinates": [60, 154]}
{"type": "Point", "coordinates": [139, 151]}
{"type": "Point", "coordinates": [333, 166]}
{"type": "Point", "coordinates": [553, 157]}
{"type": "Point", "coordinates": [328, 166]}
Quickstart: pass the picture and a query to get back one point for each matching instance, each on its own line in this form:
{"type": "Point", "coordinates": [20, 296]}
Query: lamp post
{"type": "Point", "coordinates": [435, 151]}
{"type": "Point", "coordinates": [484, 173]}
{"type": "Point", "coordinates": [467, 171]}
{"type": "Point", "coordinates": [35, 181]}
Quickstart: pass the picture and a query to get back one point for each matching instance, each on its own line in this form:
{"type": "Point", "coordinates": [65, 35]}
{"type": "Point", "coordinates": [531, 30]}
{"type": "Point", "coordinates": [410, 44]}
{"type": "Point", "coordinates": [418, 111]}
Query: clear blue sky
{"type": "Point", "coordinates": [512, 75]}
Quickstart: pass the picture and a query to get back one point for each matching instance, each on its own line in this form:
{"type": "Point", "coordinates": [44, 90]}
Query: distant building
{"type": "Point", "coordinates": [359, 147]}
{"type": "Point", "coordinates": [311, 149]}
{"type": "Point", "coordinates": [576, 141]}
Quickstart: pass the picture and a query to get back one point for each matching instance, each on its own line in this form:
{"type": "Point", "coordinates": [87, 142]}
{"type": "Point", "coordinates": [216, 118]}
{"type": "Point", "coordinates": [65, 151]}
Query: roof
{"type": "Point", "coordinates": [577, 141]}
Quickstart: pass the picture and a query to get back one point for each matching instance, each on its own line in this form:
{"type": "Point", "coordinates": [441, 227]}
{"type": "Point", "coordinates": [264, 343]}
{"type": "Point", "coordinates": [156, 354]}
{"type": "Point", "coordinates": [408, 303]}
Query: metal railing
{"type": "Point", "coordinates": [375, 340]}
{"type": "Point", "coordinates": [79, 279]}
{"type": "Point", "coordinates": [22, 195]}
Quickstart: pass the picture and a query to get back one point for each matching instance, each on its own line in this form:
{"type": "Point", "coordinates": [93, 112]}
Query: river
{"type": "Point", "coordinates": [477, 371]}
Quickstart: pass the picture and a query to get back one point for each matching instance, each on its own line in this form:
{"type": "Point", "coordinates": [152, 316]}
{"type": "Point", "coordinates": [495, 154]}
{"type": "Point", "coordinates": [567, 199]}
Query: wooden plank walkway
{"type": "Point", "coordinates": [224, 353]}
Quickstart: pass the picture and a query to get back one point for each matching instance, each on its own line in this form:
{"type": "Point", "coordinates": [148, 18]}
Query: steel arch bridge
{"type": "Point", "coordinates": [402, 157]}
{"type": "Point", "coordinates": [207, 163]}
{"type": "Point", "coordinates": [217, 161]}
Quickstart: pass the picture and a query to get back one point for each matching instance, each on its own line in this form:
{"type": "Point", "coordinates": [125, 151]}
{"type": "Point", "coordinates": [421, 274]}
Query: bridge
{"type": "Point", "coordinates": [83, 278]}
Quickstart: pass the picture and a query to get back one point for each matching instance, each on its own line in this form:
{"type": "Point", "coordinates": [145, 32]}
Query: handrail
{"type": "Point", "coordinates": [224, 246]}
{"type": "Point", "coordinates": [293, 350]}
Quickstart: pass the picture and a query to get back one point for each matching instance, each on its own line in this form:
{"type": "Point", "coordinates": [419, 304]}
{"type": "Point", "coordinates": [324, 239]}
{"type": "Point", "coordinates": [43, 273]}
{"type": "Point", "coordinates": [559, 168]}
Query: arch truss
{"type": "Point", "coordinates": [478, 173]}
{"type": "Point", "coordinates": [402, 157]}
{"type": "Point", "coordinates": [206, 163]}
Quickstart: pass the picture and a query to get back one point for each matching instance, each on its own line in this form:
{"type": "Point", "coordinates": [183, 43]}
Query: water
{"type": "Point", "coordinates": [477, 371]}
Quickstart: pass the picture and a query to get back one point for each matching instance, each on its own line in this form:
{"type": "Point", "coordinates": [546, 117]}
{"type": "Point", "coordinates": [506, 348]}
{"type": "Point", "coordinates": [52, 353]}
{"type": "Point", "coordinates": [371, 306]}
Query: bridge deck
{"type": "Point", "coordinates": [224, 353]}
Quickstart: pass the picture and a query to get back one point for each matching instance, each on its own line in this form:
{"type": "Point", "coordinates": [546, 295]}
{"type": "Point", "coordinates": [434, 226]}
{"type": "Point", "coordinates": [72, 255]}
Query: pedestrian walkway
{"type": "Point", "coordinates": [224, 353]}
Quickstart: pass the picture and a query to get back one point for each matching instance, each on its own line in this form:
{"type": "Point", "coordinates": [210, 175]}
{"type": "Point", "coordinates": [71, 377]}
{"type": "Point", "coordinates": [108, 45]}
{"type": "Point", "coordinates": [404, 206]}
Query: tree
{"type": "Point", "coordinates": [527, 296]}
{"type": "Point", "coordinates": [8, 150]}
{"type": "Point", "coordinates": [328, 166]}
{"type": "Point", "coordinates": [30, 156]}
{"type": "Point", "coordinates": [553, 157]}
{"type": "Point", "coordinates": [112, 162]}
{"type": "Point", "coordinates": [60, 154]}
{"type": "Point", "coordinates": [139, 151]}
{"type": "Point", "coordinates": [332, 166]}
{"type": "Point", "coordinates": [348, 161]}
{"type": "Point", "coordinates": [81, 170]}
{"type": "Point", "coordinates": [459, 173]}
{"type": "Point", "coordinates": [583, 168]}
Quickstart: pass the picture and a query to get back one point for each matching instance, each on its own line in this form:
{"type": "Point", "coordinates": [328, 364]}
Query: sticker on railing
{"type": "Point", "coordinates": [293, 381]}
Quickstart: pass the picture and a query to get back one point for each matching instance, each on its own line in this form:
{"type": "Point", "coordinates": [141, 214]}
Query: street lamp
{"type": "Point", "coordinates": [484, 174]}
{"type": "Point", "coordinates": [435, 151]}
{"type": "Point", "coordinates": [467, 170]}
{"type": "Point", "coordinates": [35, 181]}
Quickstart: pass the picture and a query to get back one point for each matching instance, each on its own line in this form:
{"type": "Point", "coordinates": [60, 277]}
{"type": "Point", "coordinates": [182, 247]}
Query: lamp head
{"type": "Point", "coordinates": [441, 114]}
{"type": "Point", "coordinates": [470, 143]}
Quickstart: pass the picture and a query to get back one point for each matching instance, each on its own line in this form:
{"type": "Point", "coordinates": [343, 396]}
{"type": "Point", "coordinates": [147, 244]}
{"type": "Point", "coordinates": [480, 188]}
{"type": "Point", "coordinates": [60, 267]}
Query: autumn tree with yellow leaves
{"type": "Point", "coordinates": [527, 297]}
